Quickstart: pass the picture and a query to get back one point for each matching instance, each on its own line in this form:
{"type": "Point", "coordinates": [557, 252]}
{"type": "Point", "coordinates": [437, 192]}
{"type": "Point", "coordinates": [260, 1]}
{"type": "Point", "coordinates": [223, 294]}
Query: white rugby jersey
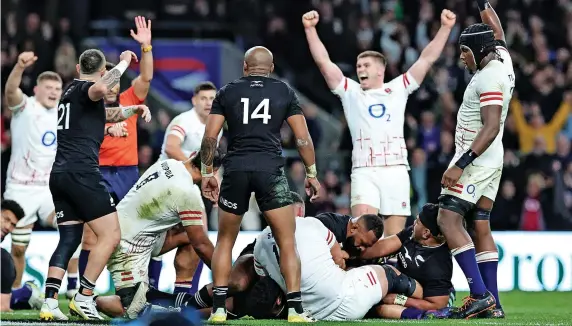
{"type": "Point", "coordinates": [189, 128]}
{"type": "Point", "coordinates": [163, 197]}
{"type": "Point", "coordinates": [376, 118]}
{"type": "Point", "coordinates": [321, 278]}
{"type": "Point", "coordinates": [492, 85]}
{"type": "Point", "coordinates": [33, 131]}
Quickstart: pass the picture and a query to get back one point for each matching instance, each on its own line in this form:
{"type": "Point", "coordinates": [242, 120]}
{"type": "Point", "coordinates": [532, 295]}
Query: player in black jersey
{"type": "Point", "coordinates": [255, 107]}
{"type": "Point", "coordinates": [76, 184]}
{"type": "Point", "coordinates": [424, 266]}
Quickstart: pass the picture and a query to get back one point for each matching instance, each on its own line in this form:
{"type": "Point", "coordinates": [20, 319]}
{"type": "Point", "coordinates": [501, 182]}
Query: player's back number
{"type": "Point", "coordinates": [63, 116]}
{"type": "Point", "coordinates": [263, 105]}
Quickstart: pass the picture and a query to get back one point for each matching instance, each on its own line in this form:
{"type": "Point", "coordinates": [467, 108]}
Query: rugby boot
{"type": "Point", "coordinates": [452, 297]}
{"type": "Point", "coordinates": [493, 313]}
{"type": "Point", "coordinates": [473, 305]}
{"type": "Point", "coordinates": [138, 302]}
{"type": "Point", "coordinates": [86, 310]}
{"type": "Point", "coordinates": [50, 311]}
{"type": "Point", "coordinates": [305, 317]}
{"type": "Point", "coordinates": [218, 317]}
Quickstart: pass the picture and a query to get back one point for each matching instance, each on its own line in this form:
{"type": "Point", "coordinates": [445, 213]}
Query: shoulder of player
{"type": "Point", "coordinates": [492, 71]}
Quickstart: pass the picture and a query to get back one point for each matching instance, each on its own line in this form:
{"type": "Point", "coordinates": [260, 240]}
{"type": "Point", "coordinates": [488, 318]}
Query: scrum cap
{"type": "Point", "coordinates": [480, 39]}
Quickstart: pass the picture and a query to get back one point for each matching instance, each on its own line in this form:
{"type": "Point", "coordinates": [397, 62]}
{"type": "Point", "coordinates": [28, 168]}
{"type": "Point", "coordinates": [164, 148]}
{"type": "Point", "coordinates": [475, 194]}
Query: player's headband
{"type": "Point", "coordinates": [428, 217]}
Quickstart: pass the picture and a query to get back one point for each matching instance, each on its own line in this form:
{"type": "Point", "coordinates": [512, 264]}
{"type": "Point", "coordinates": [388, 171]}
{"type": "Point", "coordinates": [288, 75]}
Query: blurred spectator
{"type": "Point", "coordinates": [506, 210]}
{"type": "Point", "coordinates": [532, 218]}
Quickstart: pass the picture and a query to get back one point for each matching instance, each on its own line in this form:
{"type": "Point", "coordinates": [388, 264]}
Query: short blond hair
{"type": "Point", "coordinates": [49, 75]}
{"type": "Point", "coordinates": [373, 54]}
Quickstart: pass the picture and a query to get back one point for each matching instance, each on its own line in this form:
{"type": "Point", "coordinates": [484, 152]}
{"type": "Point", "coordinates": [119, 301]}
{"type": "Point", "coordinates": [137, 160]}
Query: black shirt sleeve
{"type": "Point", "coordinates": [405, 234]}
{"type": "Point", "coordinates": [84, 91]}
{"type": "Point", "coordinates": [294, 107]}
{"type": "Point", "coordinates": [218, 107]}
{"type": "Point", "coordinates": [336, 223]}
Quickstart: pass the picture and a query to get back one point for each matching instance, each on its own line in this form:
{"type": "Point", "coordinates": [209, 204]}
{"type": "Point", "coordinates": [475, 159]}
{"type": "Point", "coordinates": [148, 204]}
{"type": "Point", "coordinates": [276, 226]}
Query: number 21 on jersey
{"type": "Point", "coordinates": [256, 113]}
{"type": "Point", "coordinates": [63, 116]}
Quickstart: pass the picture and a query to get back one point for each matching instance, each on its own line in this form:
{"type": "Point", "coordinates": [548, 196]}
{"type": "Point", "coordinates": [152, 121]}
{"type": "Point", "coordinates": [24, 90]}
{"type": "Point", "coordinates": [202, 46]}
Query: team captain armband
{"type": "Point", "coordinates": [189, 217]}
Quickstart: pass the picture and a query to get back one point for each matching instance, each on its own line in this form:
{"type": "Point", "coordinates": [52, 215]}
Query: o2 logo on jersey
{"type": "Point", "coordinates": [49, 138]}
{"type": "Point", "coordinates": [378, 111]}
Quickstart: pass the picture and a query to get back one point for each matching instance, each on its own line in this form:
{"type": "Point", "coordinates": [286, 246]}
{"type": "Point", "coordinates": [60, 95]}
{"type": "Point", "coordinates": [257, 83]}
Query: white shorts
{"type": "Point", "coordinates": [386, 188]}
{"type": "Point", "coordinates": [36, 201]}
{"type": "Point", "coordinates": [362, 291]}
{"type": "Point", "coordinates": [476, 182]}
{"type": "Point", "coordinates": [129, 263]}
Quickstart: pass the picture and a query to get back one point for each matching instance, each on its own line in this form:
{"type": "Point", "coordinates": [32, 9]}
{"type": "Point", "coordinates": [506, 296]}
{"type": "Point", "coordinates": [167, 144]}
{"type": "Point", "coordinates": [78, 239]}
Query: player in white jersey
{"type": "Point", "coordinates": [375, 112]}
{"type": "Point", "coordinates": [471, 182]}
{"type": "Point", "coordinates": [33, 128]}
{"type": "Point", "coordinates": [165, 196]}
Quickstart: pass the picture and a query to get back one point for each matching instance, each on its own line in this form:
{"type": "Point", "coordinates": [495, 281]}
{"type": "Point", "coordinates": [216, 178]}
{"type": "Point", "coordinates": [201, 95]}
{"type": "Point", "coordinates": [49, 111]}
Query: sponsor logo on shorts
{"type": "Point", "coordinates": [228, 204]}
{"type": "Point", "coordinates": [471, 190]}
{"type": "Point", "coordinates": [59, 215]}
{"type": "Point", "coordinates": [111, 202]}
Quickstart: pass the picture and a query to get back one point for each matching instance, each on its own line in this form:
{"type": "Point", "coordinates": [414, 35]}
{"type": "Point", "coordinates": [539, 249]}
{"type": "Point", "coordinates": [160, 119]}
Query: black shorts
{"type": "Point", "coordinates": [80, 196]}
{"type": "Point", "coordinates": [270, 189]}
{"type": "Point", "coordinates": [8, 272]}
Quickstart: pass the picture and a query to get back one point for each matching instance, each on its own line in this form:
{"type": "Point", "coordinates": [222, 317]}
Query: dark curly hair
{"type": "Point", "coordinates": [14, 207]}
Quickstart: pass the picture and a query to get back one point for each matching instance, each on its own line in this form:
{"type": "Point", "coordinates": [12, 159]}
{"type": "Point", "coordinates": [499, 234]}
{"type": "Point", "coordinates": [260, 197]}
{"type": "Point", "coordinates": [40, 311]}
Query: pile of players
{"type": "Point", "coordinates": [289, 271]}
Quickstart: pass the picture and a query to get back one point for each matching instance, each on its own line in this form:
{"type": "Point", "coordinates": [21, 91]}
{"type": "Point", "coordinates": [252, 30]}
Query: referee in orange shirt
{"type": "Point", "coordinates": [118, 157]}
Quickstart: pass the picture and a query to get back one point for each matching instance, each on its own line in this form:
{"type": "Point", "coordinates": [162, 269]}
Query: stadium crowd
{"type": "Point", "coordinates": [536, 189]}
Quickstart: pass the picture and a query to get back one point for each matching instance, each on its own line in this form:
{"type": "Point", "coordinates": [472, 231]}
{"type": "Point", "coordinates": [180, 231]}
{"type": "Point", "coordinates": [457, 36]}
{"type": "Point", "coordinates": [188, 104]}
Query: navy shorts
{"type": "Point", "coordinates": [119, 179]}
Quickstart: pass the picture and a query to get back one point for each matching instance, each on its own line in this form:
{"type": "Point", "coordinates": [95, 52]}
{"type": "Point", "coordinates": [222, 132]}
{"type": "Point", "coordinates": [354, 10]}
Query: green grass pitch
{"type": "Point", "coordinates": [522, 308]}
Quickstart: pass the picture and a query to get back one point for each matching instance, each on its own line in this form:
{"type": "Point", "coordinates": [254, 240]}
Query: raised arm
{"type": "Point", "coordinates": [490, 17]}
{"type": "Point", "coordinates": [118, 114]}
{"type": "Point", "coordinates": [142, 83]}
{"type": "Point", "coordinates": [14, 95]}
{"type": "Point", "coordinates": [329, 70]}
{"type": "Point", "coordinates": [383, 248]}
{"type": "Point", "coordinates": [111, 78]}
{"type": "Point", "coordinates": [433, 50]}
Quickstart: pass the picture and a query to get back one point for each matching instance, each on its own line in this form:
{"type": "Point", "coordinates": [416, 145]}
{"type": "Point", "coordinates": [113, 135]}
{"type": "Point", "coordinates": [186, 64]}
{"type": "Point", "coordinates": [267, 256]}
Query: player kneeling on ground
{"type": "Point", "coordinates": [149, 215]}
{"type": "Point", "coordinates": [422, 279]}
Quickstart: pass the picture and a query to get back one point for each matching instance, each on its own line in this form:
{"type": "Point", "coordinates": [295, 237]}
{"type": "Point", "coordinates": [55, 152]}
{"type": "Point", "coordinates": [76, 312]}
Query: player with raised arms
{"type": "Point", "coordinates": [472, 180]}
{"type": "Point", "coordinates": [76, 183]}
{"type": "Point", "coordinates": [255, 107]}
{"type": "Point", "coordinates": [375, 112]}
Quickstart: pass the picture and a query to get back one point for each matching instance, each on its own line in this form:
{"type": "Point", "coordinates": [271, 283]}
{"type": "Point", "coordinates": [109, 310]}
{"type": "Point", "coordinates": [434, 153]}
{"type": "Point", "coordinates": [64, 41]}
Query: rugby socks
{"type": "Point", "coordinates": [155, 266]}
{"type": "Point", "coordinates": [52, 287]}
{"type": "Point", "coordinates": [295, 301]}
{"type": "Point", "coordinates": [412, 313]}
{"type": "Point", "coordinates": [182, 287]}
{"type": "Point", "coordinates": [201, 299]}
{"type": "Point", "coordinates": [196, 278]}
{"type": "Point", "coordinates": [219, 297]}
{"type": "Point", "coordinates": [85, 289]}
{"type": "Point", "coordinates": [488, 262]}
{"type": "Point", "coordinates": [82, 264]}
{"type": "Point", "coordinates": [465, 257]}
{"type": "Point", "coordinates": [20, 297]}
{"type": "Point", "coordinates": [72, 281]}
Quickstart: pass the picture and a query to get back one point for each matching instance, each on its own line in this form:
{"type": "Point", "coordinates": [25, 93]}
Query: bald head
{"type": "Point", "coordinates": [258, 60]}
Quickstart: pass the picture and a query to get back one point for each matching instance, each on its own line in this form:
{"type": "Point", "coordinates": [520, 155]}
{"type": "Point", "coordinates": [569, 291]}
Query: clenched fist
{"type": "Point", "coordinates": [310, 19]}
{"type": "Point", "coordinates": [26, 59]}
{"type": "Point", "coordinates": [448, 18]}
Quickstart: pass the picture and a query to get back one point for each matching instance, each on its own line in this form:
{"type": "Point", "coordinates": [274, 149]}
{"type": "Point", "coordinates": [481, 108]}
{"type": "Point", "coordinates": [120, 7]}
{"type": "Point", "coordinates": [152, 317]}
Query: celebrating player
{"type": "Point", "coordinates": [424, 263]}
{"type": "Point", "coordinates": [118, 154]}
{"type": "Point", "coordinates": [76, 183]}
{"type": "Point", "coordinates": [374, 111]}
{"type": "Point", "coordinates": [164, 196]}
{"type": "Point", "coordinates": [254, 163]}
{"type": "Point", "coordinates": [474, 174]}
{"type": "Point", "coordinates": [183, 137]}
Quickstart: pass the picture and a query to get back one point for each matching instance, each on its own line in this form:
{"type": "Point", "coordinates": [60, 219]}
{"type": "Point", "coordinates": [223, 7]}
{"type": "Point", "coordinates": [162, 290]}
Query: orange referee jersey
{"type": "Point", "coordinates": [122, 151]}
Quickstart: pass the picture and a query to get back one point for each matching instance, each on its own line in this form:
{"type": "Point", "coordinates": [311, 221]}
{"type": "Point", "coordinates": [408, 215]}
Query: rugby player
{"type": "Point", "coordinates": [424, 266]}
{"type": "Point", "coordinates": [164, 197]}
{"type": "Point", "coordinates": [254, 163]}
{"type": "Point", "coordinates": [28, 296]}
{"type": "Point", "coordinates": [118, 156]}
{"type": "Point", "coordinates": [473, 177]}
{"type": "Point", "coordinates": [33, 127]}
{"type": "Point", "coordinates": [183, 137]}
{"type": "Point", "coordinates": [375, 114]}
{"type": "Point", "coordinates": [76, 183]}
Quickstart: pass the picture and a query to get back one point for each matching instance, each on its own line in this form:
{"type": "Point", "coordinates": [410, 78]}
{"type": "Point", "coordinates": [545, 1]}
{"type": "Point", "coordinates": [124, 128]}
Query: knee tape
{"type": "Point", "coordinates": [481, 214]}
{"type": "Point", "coordinates": [454, 204]}
{"type": "Point", "coordinates": [70, 239]}
{"type": "Point", "coordinates": [21, 237]}
{"type": "Point", "coordinates": [399, 284]}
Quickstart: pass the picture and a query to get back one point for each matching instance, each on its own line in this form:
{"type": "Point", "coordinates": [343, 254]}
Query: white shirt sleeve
{"type": "Point", "coordinates": [322, 231]}
{"type": "Point", "coordinates": [409, 83]}
{"type": "Point", "coordinates": [346, 87]}
{"type": "Point", "coordinates": [190, 208]}
{"type": "Point", "coordinates": [179, 128]}
{"type": "Point", "coordinates": [21, 106]}
{"type": "Point", "coordinates": [489, 85]}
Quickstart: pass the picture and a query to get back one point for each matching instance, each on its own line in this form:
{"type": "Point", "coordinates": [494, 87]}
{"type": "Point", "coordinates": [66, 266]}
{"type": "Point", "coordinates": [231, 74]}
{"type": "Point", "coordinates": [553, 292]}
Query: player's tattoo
{"type": "Point", "coordinates": [111, 78]}
{"type": "Point", "coordinates": [208, 150]}
{"type": "Point", "coordinates": [302, 142]}
{"type": "Point", "coordinates": [113, 115]}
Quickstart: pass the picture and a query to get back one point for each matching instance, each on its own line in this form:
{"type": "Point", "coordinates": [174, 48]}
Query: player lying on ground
{"type": "Point", "coordinates": [255, 164]}
{"type": "Point", "coordinates": [422, 279]}
{"type": "Point", "coordinates": [473, 177]}
{"type": "Point", "coordinates": [33, 128]}
{"type": "Point", "coordinates": [75, 177]}
{"type": "Point", "coordinates": [28, 296]}
{"type": "Point", "coordinates": [164, 196]}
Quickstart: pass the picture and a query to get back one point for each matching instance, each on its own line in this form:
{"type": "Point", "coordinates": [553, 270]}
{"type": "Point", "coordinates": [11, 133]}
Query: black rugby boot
{"type": "Point", "coordinates": [474, 305]}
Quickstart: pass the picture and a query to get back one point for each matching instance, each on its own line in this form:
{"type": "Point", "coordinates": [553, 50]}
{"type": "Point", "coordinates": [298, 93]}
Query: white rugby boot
{"type": "Point", "coordinates": [50, 311]}
{"type": "Point", "coordinates": [86, 310]}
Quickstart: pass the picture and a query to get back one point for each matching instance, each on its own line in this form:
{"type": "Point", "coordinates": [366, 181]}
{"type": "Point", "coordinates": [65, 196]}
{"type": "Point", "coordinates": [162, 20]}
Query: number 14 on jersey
{"type": "Point", "coordinates": [264, 105]}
